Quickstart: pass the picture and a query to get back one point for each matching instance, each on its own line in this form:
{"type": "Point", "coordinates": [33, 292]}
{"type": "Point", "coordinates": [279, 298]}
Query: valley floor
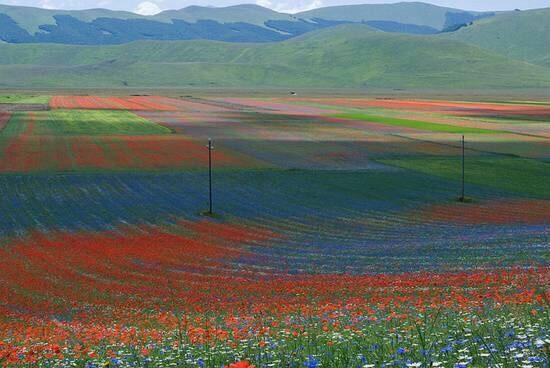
{"type": "Point", "coordinates": [337, 240]}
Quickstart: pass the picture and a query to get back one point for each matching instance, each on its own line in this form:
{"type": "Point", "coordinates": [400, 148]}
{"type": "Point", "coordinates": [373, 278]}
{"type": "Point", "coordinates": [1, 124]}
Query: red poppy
{"type": "Point", "coordinates": [241, 364]}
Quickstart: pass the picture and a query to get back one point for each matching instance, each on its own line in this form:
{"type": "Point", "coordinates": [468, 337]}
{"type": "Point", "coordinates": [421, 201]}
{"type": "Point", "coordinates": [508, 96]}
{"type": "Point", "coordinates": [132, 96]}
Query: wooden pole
{"type": "Point", "coordinates": [463, 197]}
{"type": "Point", "coordinates": [210, 211]}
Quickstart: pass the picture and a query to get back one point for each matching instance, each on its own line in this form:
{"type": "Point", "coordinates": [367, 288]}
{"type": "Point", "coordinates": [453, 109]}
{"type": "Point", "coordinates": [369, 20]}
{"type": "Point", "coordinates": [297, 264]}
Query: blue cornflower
{"type": "Point", "coordinates": [447, 349]}
{"type": "Point", "coordinates": [311, 362]}
{"type": "Point", "coordinates": [200, 363]}
{"type": "Point", "coordinates": [401, 351]}
{"type": "Point", "coordinates": [518, 345]}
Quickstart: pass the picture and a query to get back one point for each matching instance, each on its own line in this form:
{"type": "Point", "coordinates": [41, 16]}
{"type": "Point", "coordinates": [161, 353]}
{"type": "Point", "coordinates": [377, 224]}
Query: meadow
{"type": "Point", "coordinates": [337, 238]}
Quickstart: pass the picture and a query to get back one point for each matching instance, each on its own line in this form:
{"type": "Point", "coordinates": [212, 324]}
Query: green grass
{"type": "Point", "coordinates": [522, 176]}
{"type": "Point", "coordinates": [518, 35]}
{"type": "Point", "coordinates": [90, 122]}
{"type": "Point", "coordinates": [350, 56]}
{"type": "Point", "coordinates": [246, 13]}
{"type": "Point", "coordinates": [405, 12]}
{"type": "Point", "coordinates": [31, 18]}
{"type": "Point", "coordinates": [534, 103]}
{"type": "Point", "coordinates": [415, 124]}
{"type": "Point", "coordinates": [522, 119]}
{"type": "Point", "coordinates": [17, 125]}
{"type": "Point", "coordinates": [24, 99]}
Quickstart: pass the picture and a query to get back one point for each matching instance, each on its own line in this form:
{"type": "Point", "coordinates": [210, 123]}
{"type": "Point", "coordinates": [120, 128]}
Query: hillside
{"type": "Point", "coordinates": [354, 56]}
{"type": "Point", "coordinates": [246, 13]}
{"type": "Point", "coordinates": [420, 14]}
{"type": "Point", "coordinates": [521, 35]}
{"type": "Point", "coordinates": [30, 19]}
{"type": "Point", "coordinates": [240, 23]}
{"type": "Point", "coordinates": [103, 27]}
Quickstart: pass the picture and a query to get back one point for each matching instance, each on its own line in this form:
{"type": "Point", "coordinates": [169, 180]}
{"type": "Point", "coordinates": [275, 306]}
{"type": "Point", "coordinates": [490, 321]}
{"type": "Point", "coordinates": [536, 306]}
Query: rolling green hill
{"type": "Point", "coordinates": [30, 18]}
{"type": "Point", "coordinates": [405, 12]}
{"type": "Point", "coordinates": [247, 13]}
{"type": "Point", "coordinates": [352, 56]}
{"type": "Point", "coordinates": [238, 23]}
{"type": "Point", "coordinates": [521, 35]}
{"type": "Point", "coordinates": [241, 23]}
{"type": "Point", "coordinates": [416, 13]}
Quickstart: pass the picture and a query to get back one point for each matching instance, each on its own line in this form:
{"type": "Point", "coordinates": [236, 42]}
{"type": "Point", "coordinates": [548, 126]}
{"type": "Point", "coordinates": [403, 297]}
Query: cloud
{"type": "Point", "coordinates": [290, 6]}
{"type": "Point", "coordinates": [47, 4]}
{"type": "Point", "coordinates": [147, 8]}
{"type": "Point", "coordinates": [264, 3]}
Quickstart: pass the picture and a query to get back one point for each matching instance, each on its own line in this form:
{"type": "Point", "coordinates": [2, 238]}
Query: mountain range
{"type": "Point", "coordinates": [240, 23]}
{"type": "Point", "coordinates": [403, 45]}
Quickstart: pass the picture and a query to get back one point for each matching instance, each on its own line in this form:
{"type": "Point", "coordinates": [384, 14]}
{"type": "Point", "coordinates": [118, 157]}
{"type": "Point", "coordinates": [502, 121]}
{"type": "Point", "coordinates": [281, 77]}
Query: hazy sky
{"type": "Point", "coordinates": [290, 6]}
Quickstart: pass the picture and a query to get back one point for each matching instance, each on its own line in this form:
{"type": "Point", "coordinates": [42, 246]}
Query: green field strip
{"type": "Point", "coordinates": [346, 109]}
{"type": "Point", "coordinates": [518, 175]}
{"type": "Point", "coordinates": [24, 99]}
{"type": "Point", "coordinates": [521, 119]}
{"type": "Point", "coordinates": [322, 106]}
{"type": "Point", "coordinates": [96, 122]}
{"type": "Point", "coordinates": [533, 103]}
{"type": "Point", "coordinates": [15, 127]}
{"type": "Point", "coordinates": [414, 124]}
{"type": "Point", "coordinates": [510, 120]}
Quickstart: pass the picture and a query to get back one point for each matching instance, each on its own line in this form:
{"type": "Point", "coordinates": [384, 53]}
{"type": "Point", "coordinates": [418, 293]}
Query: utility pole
{"type": "Point", "coordinates": [463, 197]}
{"type": "Point", "coordinates": [210, 148]}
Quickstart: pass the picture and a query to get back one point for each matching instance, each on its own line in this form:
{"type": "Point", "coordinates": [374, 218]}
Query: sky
{"type": "Point", "coordinates": [148, 7]}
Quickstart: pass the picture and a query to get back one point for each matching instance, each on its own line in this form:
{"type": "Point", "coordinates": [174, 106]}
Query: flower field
{"type": "Point", "coordinates": [136, 103]}
{"type": "Point", "coordinates": [91, 140]}
{"type": "Point", "coordinates": [4, 118]}
{"type": "Point", "coordinates": [337, 239]}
